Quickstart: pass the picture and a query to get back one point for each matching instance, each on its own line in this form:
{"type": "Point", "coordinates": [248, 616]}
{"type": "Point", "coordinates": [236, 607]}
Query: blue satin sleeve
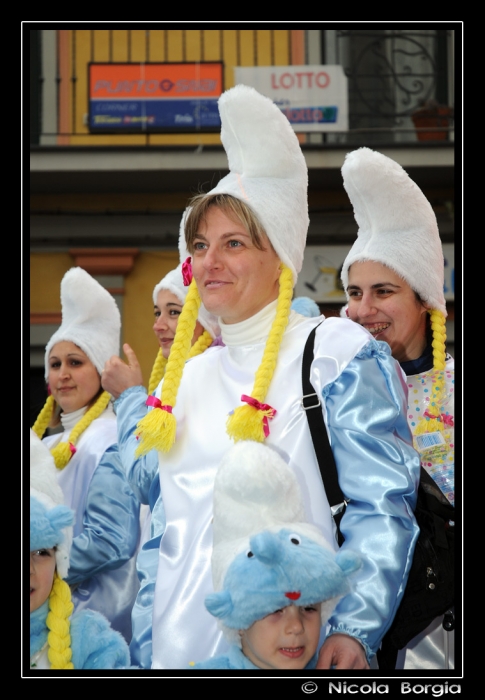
{"type": "Point", "coordinates": [379, 472]}
{"type": "Point", "coordinates": [130, 407]}
{"type": "Point", "coordinates": [110, 523]}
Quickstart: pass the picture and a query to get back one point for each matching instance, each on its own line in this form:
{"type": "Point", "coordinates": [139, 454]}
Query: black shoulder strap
{"type": "Point", "coordinates": [323, 451]}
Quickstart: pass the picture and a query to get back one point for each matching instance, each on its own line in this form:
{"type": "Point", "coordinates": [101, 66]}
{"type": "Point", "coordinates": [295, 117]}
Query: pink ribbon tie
{"type": "Point", "coordinates": [447, 420]}
{"type": "Point", "coordinates": [187, 271]}
{"type": "Point", "coordinates": [271, 412]}
{"type": "Point", "coordinates": [156, 403]}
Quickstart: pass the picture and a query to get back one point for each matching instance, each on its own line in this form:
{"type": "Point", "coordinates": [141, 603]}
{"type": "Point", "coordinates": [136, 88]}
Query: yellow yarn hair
{"type": "Point", "coordinates": [62, 452]}
{"type": "Point", "coordinates": [438, 327]}
{"type": "Point", "coordinates": [246, 422]}
{"type": "Point", "coordinates": [158, 370]}
{"type": "Point", "coordinates": [201, 344]}
{"type": "Point", "coordinates": [44, 417]}
{"type": "Point", "coordinates": [156, 430]}
{"type": "Point", "coordinates": [59, 638]}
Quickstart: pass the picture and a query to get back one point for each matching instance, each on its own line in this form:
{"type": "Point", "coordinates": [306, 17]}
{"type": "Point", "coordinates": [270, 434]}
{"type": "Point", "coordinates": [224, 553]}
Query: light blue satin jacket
{"type": "Point", "coordinates": [142, 475]}
{"type": "Point", "coordinates": [106, 530]}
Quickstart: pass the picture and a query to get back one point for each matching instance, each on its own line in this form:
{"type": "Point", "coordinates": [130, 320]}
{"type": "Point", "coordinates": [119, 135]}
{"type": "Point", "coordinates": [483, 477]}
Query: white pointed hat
{"type": "Point", "coordinates": [90, 319]}
{"type": "Point", "coordinates": [267, 169]}
{"type": "Point", "coordinates": [397, 225]}
{"type": "Point", "coordinates": [50, 520]}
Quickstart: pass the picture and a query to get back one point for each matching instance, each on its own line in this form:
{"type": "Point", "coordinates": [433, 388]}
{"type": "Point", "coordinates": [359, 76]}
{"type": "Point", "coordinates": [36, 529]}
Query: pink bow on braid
{"type": "Point", "coordinates": [269, 411]}
{"type": "Point", "coordinates": [156, 403]}
{"type": "Point", "coordinates": [187, 271]}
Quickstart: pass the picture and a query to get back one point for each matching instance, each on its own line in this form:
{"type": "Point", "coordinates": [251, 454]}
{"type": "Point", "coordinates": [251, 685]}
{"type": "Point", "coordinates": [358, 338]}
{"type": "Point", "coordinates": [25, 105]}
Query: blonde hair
{"type": "Point", "coordinates": [160, 364]}
{"type": "Point", "coordinates": [157, 429]}
{"type": "Point", "coordinates": [59, 638]}
{"type": "Point", "coordinates": [63, 451]}
{"type": "Point", "coordinates": [435, 423]}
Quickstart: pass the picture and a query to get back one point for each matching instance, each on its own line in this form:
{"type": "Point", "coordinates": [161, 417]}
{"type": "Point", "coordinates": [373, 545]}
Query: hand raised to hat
{"type": "Point", "coordinates": [118, 375]}
{"type": "Point", "coordinates": [342, 651]}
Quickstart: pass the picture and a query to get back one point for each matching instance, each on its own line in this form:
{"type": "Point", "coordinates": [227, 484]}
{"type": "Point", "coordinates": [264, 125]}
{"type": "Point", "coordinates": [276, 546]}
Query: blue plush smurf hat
{"type": "Point", "coordinates": [50, 519]}
{"type": "Point", "coordinates": [265, 555]}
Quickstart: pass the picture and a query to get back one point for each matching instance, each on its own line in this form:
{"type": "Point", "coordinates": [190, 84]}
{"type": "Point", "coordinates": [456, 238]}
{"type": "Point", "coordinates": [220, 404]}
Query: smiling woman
{"type": "Point", "coordinates": [247, 237]}
{"type": "Point", "coordinates": [89, 471]}
{"type": "Point", "coordinates": [394, 279]}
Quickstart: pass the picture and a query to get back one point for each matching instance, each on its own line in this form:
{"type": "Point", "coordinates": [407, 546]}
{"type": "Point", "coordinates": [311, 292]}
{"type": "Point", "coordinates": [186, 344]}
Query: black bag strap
{"type": "Point", "coordinates": [318, 430]}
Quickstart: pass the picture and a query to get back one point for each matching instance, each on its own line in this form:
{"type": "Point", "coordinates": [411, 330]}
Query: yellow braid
{"type": "Point", "coordinates": [62, 452]}
{"type": "Point", "coordinates": [59, 637]}
{"type": "Point", "coordinates": [246, 422]}
{"type": "Point", "coordinates": [158, 371]}
{"type": "Point", "coordinates": [44, 417]}
{"type": "Point", "coordinates": [201, 344]}
{"type": "Point", "coordinates": [438, 326]}
{"type": "Point", "coordinates": [156, 430]}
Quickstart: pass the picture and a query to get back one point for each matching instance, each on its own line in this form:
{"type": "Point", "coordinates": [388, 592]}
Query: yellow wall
{"type": "Point", "coordinates": [48, 269]}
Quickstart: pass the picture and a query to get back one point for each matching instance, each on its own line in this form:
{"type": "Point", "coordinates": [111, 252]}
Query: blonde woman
{"type": "Point", "coordinates": [247, 239]}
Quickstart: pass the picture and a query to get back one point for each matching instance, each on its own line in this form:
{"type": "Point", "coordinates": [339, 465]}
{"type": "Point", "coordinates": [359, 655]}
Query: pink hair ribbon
{"type": "Point", "coordinates": [187, 271]}
{"type": "Point", "coordinates": [269, 411]}
{"type": "Point", "coordinates": [445, 419]}
{"type": "Point", "coordinates": [156, 403]}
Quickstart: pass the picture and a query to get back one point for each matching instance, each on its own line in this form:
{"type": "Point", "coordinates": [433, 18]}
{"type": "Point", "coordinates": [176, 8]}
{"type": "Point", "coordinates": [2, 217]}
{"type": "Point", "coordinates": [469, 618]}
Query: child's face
{"type": "Point", "coordinates": [286, 639]}
{"type": "Point", "coordinates": [42, 569]}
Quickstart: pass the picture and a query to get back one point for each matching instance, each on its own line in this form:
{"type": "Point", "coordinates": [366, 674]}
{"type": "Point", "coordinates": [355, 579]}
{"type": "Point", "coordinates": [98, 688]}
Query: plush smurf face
{"type": "Point", "coordinates": [280, 568]}
{"type": "Point", "coordinates": [285, 639]}
{"type": "Point", "coordinates": [42, 569]}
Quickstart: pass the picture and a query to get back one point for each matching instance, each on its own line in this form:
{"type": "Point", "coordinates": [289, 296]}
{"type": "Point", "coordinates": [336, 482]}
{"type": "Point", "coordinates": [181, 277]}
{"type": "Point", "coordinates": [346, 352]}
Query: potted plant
{"type": "Point", "coordinates": [431, 121]}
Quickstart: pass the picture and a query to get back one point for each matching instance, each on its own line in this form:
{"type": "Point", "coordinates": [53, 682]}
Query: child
{"type": "Point", "coordinates": [58, 640]}
{"type": "Point", "coordinates": [276, 578]}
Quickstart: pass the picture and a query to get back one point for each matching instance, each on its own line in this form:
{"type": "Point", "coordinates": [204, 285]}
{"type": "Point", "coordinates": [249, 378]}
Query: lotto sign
{"type": "Point", "coordinates": [163, 97]}
{"type": "Point", "coordinates": [313, 98]}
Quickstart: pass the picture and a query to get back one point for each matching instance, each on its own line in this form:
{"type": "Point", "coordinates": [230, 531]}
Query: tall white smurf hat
{"type": "Point", "coordinates": [265, 555]}
{"type": "Point", "coordinates": [50, 519]}
{"type": "Point", "coordinates": [90, 319]}
{"type": "Point", "coordinates": [397, 225]}
{"type": "Point", "coordinates": [174, 282]}
{"type": "Point", "coordinates": [267, 169]}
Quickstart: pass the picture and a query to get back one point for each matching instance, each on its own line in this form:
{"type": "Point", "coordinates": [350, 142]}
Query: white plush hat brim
{"type": "Point", "coordinates": [90, 319]}
{"type": "Point", "coordinates": [174, 283]}
{"type": "Point", "coordinates": [267, 169]}
{"type": "Point", "coordinates": [397, 225]}
{"type": "Point", "coordinates": [45, 488]}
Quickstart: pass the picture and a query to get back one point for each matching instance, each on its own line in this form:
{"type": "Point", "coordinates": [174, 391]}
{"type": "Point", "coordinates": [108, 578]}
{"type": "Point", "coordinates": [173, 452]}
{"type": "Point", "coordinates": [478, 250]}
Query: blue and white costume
{"type": "Point", "coordinates": [94, 644]}
{"type": "Point", "coordinates": [106, 528]}
{"type": "Point", "coordinates": [364, 409]}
